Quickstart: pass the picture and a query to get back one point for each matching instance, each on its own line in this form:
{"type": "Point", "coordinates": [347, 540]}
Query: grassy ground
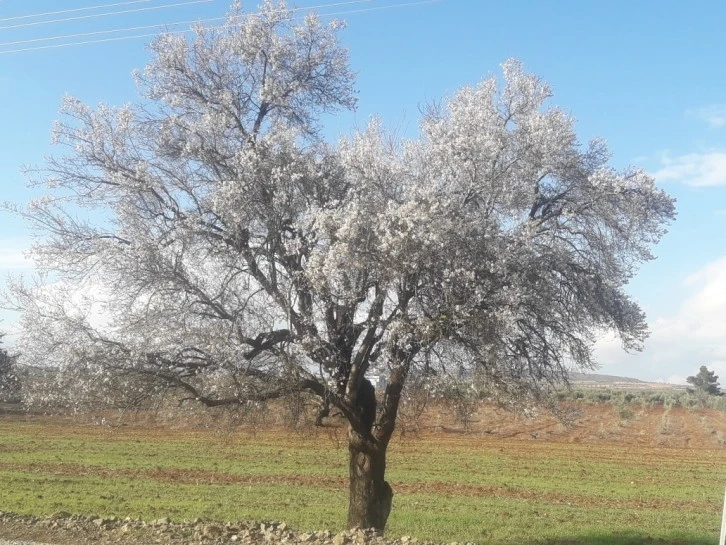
{"type": "Point", "coordinates": [448, 487]}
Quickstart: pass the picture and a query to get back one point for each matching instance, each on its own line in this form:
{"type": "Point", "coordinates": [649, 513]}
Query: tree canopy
{"type": "Point", "coordinates": [209, 241]}
{"type": "Point", "coordinates": [705, 381]}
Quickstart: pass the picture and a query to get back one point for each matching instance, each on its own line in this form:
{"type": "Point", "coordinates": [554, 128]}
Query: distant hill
{"type": "Point", "coordinates": [593, 377]}
{"type": "Point", "coordinates": [593, 380]}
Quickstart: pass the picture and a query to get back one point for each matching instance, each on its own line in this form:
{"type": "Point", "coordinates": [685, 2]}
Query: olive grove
{"type": "Point", "coordinates": [208, 241]}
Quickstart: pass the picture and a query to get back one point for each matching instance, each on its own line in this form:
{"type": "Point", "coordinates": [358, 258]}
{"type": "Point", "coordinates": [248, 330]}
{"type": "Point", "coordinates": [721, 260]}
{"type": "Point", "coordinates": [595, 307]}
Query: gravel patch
{"type": "Point", "coordinates": [15, 542]}
{"type": "Point", "coordinates": [66, 529]}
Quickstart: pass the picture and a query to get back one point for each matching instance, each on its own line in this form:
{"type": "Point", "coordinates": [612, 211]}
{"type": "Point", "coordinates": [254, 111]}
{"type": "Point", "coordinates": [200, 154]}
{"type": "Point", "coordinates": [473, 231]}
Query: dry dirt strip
{"type": "Point", "coordinates": [15, 542]}
{"type": "Point", "coordinates": [80, 530]}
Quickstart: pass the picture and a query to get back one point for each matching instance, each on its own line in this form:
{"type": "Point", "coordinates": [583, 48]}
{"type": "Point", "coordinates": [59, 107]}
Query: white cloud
{"type": "Point", "coordinates": [714, 115]}
{"type": "Point", "coordinates": [705, 169]}
{"type": "Point", "coordinates": [13, 254]}
{"type": "Point", "coordinates": [680, 343]}
{"type": "Point", "coordinates": [13, 260]}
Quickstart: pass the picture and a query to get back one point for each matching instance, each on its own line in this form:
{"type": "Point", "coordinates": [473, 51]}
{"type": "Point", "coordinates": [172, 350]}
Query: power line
{"type": "Point", "coordinates": [380, 8]}
{"type": "Point", "coordinates": [157, 25]}
{"type": "Point", "coordinates": [110, 13]}
{"type": "Point", "coordinates": [109, 31]}
{"type": "Point", "coordinates": [74, 10]}
{"type": "Point", "coordinates": [155, 34]}
{"type": "Point", "coordinates": [88, 42]}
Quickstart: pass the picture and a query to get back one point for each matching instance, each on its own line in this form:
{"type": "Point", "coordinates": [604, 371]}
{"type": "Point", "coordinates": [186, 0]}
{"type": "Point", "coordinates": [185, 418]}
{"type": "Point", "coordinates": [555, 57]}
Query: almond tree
{"type": "Point", "coordinates": [208, 241]}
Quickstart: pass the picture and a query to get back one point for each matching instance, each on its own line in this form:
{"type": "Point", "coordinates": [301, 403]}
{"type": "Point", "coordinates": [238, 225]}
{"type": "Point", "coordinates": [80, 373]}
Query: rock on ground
{"type": "Point", "coordinates": [66, 529]}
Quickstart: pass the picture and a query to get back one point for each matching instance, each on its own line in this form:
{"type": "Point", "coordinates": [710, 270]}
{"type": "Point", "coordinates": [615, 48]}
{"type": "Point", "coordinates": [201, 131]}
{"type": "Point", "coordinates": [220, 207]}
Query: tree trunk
{"type": "Point", "coordinates": [370, 494]}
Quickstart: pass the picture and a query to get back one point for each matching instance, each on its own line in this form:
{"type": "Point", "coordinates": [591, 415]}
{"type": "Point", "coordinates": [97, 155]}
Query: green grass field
{"type": "Point", "coordinates": [448, 487]}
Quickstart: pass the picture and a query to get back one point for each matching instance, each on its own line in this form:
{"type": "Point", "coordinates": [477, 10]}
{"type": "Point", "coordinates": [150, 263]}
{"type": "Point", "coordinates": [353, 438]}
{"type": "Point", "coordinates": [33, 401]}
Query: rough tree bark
{"type": "Point", "coordinates": [368, 437]}
{"type": "Point", "coordinates": [370, 494]}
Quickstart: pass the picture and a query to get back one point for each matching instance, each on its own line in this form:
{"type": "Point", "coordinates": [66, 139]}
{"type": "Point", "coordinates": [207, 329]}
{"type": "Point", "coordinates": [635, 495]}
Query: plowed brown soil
{"type": "Point", "coordinates": [681, 447]}
{"type": "Point", "coordinates": [634, 425]}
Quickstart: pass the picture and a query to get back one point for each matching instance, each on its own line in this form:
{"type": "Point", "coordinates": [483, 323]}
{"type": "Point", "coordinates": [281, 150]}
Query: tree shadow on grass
{"type": "Point", "coordinates": [623, 538]}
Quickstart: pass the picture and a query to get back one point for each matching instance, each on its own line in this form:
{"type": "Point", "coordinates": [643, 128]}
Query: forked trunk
{"type": "Point", "coordinates": [370, 494]}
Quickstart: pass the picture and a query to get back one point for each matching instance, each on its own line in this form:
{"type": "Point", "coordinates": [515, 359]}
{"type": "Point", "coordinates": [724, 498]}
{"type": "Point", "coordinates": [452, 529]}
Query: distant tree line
{"type": "Point", "coordinates": [9, 381]}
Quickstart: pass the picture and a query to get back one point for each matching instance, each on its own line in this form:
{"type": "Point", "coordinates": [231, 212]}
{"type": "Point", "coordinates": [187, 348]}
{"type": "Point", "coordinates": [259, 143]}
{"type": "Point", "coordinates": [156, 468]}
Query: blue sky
{"type": "Point", "coordinates": [649, 77]}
